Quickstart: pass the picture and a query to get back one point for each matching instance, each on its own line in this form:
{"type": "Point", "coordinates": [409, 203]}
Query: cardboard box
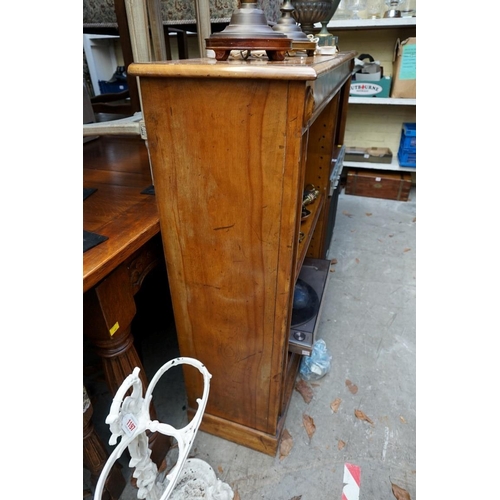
{"type": "Point", "coordinates": [367, 88]}
{"type": "Point", "coordinates": [378, 184]}
{"type": "Point", "coordinates": [404, 72]}
{"type": "Point", "coordinates": [368, 77]}
{"type": "Point", "coordinates": [370, 155]}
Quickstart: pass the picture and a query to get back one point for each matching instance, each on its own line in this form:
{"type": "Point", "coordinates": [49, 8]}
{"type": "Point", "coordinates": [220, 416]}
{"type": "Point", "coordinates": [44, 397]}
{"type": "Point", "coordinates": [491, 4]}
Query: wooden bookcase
{"type": "Point", "coordinates": [232, 146]}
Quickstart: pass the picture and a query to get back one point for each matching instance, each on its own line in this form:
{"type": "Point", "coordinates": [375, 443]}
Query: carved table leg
{"type": "Point", "coordinates": [108, 312]}
{"type": "Point", "coordinates": [95, 456]}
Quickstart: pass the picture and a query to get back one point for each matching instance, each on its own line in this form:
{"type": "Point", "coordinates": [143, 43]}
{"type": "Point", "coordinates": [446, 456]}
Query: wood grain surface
{"type": "Point", "coordinates": [118, 167]}
{"type": "Point", "coordinates": [232, 144]}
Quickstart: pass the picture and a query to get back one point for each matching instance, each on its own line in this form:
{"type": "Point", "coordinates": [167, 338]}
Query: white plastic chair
{"type": "Point", "coordinates": [129, 419]}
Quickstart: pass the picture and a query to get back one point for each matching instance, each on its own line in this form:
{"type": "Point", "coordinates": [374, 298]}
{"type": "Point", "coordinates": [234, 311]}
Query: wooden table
{"type": "Point", "coordinates": [113, 271]}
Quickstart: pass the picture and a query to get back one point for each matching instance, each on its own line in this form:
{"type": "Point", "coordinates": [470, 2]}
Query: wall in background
{"type": "Point", "coordinates": [176, 11]}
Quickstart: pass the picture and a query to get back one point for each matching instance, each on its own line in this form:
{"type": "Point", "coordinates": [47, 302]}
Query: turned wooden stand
{"type": "Point", "coordinates": [232, 145]}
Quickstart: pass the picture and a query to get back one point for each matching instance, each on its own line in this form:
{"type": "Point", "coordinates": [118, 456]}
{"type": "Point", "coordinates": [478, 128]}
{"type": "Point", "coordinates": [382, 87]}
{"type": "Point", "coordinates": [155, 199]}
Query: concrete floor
{"type": "Point", "coordinates": [368, 323]}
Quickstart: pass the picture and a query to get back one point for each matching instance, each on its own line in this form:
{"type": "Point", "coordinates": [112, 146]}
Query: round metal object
{"type": "Point", "coordinates": [300, 336]}
{"type": "Point", "coordinates": [288, 25]}
{"type": "Point", "coordinates": [248, 22]}
{"type": "Point", "coordinates": [248, 30]}
{"type": "Point", "coordinates": [308, 12]}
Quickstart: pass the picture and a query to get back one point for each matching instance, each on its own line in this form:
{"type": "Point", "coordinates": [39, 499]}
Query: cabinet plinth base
{"type": "Point", "coordinates": [239, 434]}
{"type": "Point", "coordinates": [246, 436]}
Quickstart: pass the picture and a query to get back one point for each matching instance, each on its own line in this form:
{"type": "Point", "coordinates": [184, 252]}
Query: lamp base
{"type": "Point", "coordinates": [248, 30]}
{"type": "Point", "coordinates": [276, 48]}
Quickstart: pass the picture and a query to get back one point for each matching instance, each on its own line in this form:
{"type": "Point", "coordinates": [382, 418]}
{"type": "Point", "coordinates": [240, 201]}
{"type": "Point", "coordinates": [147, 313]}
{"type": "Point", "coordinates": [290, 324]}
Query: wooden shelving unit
{"type": "Point", "coordinates": [368, 117]}
{"type": "Point", "coordinates": [233, 144]}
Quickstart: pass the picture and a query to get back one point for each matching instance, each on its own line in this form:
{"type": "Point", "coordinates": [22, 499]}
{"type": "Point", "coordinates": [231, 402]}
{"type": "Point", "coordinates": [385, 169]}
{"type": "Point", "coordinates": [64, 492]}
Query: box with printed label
{"type": "Point", "coordinates": [367, 88]}
{"type": "Point", "coordinates": [404, 71]}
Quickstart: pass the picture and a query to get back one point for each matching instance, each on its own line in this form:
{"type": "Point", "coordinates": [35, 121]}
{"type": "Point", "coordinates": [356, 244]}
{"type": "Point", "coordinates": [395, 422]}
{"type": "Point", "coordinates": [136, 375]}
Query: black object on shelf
{"type": "Point", "coordinates": [305, 303]}
{"type": "Point", "coordinates": [314, 273]}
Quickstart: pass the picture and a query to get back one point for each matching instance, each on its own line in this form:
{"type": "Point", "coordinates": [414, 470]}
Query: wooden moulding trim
{"type": "Point", "coordinates": [292, 68]}
{"type": "Point", "coordinates": [240, 434]}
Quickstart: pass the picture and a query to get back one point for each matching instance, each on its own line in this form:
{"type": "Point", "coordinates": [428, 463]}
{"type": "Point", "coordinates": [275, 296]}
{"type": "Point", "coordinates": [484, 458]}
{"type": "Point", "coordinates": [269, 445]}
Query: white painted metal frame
{"type": "Point", "coordinates": [129, 420]}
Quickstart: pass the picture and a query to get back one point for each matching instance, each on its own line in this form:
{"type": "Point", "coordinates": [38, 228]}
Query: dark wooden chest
{"type": "Point", "coordinates": [377, 184]}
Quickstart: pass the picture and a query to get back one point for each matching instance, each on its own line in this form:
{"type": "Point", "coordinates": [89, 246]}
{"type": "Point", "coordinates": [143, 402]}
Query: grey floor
{"type": "Point", "coordinates": [368, 323]}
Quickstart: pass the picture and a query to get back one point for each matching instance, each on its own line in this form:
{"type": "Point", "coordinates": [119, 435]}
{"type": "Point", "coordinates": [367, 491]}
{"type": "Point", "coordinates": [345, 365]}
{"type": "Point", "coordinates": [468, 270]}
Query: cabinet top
{"type": "Point", "coordinates": [292, 68]}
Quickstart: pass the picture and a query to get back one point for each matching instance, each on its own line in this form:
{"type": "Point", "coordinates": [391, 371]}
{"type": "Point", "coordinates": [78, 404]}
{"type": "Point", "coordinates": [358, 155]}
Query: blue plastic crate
{"type": "Point", "coordinates": [409, 136]}
{"type": "Point", "coordinates": [410, 129]}
{"type": "Point", "coordinates": [407, 158]}
{"type": "Point", "coordinates": [112, 88]}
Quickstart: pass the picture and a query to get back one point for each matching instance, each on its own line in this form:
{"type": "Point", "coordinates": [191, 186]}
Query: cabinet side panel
{"type": "Point", "coordinates": [218, 154]}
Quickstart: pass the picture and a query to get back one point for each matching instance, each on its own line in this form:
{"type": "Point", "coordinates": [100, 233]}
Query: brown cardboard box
{"type": "Point", "coordinates": [378, 184]}
{"type": "Point", "coordinates": [404, 73]}
{"type": "Point", "coordinates": [372, 155]}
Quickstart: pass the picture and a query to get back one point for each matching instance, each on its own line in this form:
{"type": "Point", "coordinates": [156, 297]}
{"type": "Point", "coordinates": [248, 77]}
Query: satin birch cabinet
{"type": "Point", "coordinates": [232, 145]}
